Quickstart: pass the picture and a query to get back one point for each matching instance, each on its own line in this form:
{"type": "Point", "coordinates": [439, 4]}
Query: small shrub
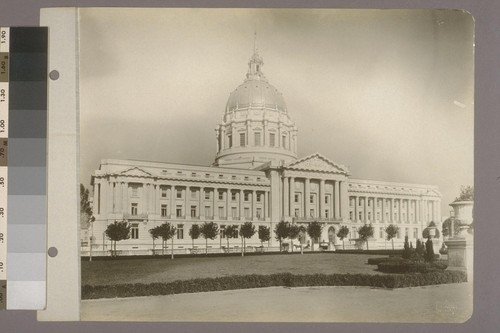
{"type": "Point", "coordinates": [376, 261]}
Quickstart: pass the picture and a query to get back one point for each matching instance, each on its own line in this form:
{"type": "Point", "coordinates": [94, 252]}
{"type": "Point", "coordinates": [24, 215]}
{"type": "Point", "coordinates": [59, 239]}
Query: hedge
{"type": "Point", "coordinates": [376, 261]}
{"type": "Point", "coordinates": [273, 280]}
{"type": "Point", "coordinates": [407, 266]}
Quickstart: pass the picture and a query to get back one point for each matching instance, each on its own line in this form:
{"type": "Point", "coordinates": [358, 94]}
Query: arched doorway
{"type": "Point", "coordinates": [331, 238]}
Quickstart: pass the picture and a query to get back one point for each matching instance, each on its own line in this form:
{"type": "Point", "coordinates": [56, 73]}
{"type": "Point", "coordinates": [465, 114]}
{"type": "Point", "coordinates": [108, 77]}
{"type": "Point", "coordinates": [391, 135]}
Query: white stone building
{"type": "Point", "coordinates": [258, 177]}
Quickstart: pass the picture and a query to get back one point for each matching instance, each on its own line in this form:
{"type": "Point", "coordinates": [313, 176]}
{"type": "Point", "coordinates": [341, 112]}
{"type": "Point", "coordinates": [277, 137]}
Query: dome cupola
{"type": "Point", "coordinates": [256, 127]}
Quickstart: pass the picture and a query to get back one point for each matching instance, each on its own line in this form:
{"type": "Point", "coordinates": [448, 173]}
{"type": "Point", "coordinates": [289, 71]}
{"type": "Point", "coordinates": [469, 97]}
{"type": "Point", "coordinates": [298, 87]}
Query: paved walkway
{"type": "Point", "coordinates": [443, 303]}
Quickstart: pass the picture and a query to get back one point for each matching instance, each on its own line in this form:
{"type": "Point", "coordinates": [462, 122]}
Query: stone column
{"type": "Point", "coordinates": [172, 200]}
{"type": "Point", "coordinates": [228, 198]}
{"type": "Point", "coordinates": [365, 209]}
{"type": "Point", "coordinates": [286, 196]}
{"type": "Point", "coordinates": [187, 199]}
{"type": "Point", "coordinates": [321, 198]}
{"type": "Point", "coordinates": [408, 211]}
{"type": "Point", "coordinates": [292, 196]}
{"type": "Point", "coordinates": [356, 198]}
{"type": "Point", "coordinates": [254, 204]}
{"type": "Point", "coordinates": [201, 209]}
{"type": "Point", "coordinates": [336, 195]}
{"type": "Point", "coordinates": [125, 197]}
{"type": "Point", "coordinates": [223, 139]}
{"type": "Point", "coordinates": [307, 194]}
{"type": "Point", "coordinates": [110, 197]}
{"type": "Point", "coordinates": [344, 200]}
{"type": "Point", "coordinates": [400, 208]}
{"type": "Point", "coordinates": [383, 203]}
{"type": "Point", "coordinates": [157, 199]}
{"type": "Point", "coordinates": [118, 197]}
{"type": "Point", "coordinates": [266, 204]}
{"type": "Point", "coordinates": [215, 208]}
{"type": "Point", "coordinates": [241, 198]}
{"type": "Point", "coordinates": [391, 210]}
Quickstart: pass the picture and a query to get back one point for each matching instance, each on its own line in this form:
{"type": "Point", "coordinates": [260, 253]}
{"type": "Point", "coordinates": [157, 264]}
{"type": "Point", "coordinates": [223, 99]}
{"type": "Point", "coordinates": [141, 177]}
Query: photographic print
{"type": "Point", "coordinates": [276, 165]}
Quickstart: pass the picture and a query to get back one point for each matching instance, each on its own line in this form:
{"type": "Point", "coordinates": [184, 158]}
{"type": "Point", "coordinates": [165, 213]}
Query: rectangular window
{"type": "Point", "coordinates": [234, 212]}
{"type": "Point", "coordinates": [378, 216]}
{"type": "Point", "coordinates": [207, 195]}
{"type": "Point", "coordinates": [193, 211]}
{"type": "Point", "coordinates": [246, 196]}
{"type": "Point", "coordinates": [311, 213]}
{"type": "Point", "coordinates": [163, 192]}
{"type": "Point", "coordinates": [259, 197]}
{"type": "Point", "coordinates": [381, 233]}
{"type": "Point", "coordinates": [297, 198]}
{"type": "Point", "coordinates": [233, 196]}
{"type": "Point", "coordinates": [326, 213]}
{"type": "Point", "coordinates": [180, 231]}
{"type": "Point", "coordinates": [415, 233]}
{"type": "Point", "coordinates": [297, 212]}
{"type": "Point", "coordinates": [223, 231]}
{"type": "Point", "coordinates": [133, 209]}
{"type": "Point", "coordinates": [208, 211]}
{"type": "Point", "coordinates": [178, 211]}
{"type": "Point", "coordinates": [259, 213]}
{"type": "Point", "coordinates": [369, 216]}
{"type": "Point", "coordinates": [283, 141]}
{"type": "Point", "coordinates": [272, 138]}
{"type": "Point", "coordinates": [354, 232]}
{"type": "Point", "coordinates": [242, 140]}
{"type": "Point", "coordinates": [257, 139]}
{"type": "Point", "coordinates": [378, 203]}
{"type": "Point", "coordinates": [221, 211]}
{"type": "Point", "coordinates": [178, 194]}
{"type": "Point", "coordinates": [134, 231]}
{"type": "Point", "coordinates": [311, 198]}
{"type": "Point", "coordinates": [163, 210]}
{"type": "Point", "coordinates": [369, 203]}
{"type": "Point", "coordinates": [230, 140]}
{"type": "Point", "coordinates": [221, 195]}
{"type": "Point", "coordinates": [326, 199]}
{"type": "Point", "coordinates": [247, 212]}
{"type": "Point", "coordinates": [135, 191]}
{"type": "Point", "coordinates": [360, 216]}
{"type": "Point", "coordinates": [350, 216]}
{"type": "Point", "coordinates": [193, 194]}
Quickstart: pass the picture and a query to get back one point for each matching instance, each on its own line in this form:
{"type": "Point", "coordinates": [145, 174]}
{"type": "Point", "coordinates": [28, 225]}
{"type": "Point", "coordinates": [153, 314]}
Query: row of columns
{"type": "Point", "coordinates": [115, 197]}
{"type": "Point", "coordinates": [423, 210]}
{"type": "Point", "coordinates": [338, 204]}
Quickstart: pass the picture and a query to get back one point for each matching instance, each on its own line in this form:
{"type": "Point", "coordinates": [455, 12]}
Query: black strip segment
{"type": "Point", "coordinates": [28, 39]}
{"type": "Point", "coordinates": [3, 294]}
{"type": "Point", "coordinates": [28, 66]}
{"type": "Point", "coordinates": [27, 95]}
{"type": "Point", "coordinates": [34, 124]}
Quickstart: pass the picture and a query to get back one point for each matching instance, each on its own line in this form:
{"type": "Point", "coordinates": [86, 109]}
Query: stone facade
{"type": "Point", "coordinates": [256, 177]}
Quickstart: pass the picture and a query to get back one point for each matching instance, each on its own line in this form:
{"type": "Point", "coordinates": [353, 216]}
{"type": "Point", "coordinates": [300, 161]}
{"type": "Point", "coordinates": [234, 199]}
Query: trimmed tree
{"type": "Point", "coordinates": [406, 249]}
{"type": "Point", "coordinates": [194, 233]}
{"type": "Point", "coordinates": [155, 234]}
{"type": "Point", "coordinates": [167, 231]}
{"type": "Point", "coordinates": [247, 230]}
{"type": "Point", "coordinates": [314, 230]}
{"type": "Point", "coordinates": [293, 233]}
{"type": "Point", "coordinates": [342, 233]}
{"type": "Point", "coordinates": [282, 231]}
{"type": "Point", "coordinates": [264, 234]}
{"type": "Point", "coordinates": [391, 231]}
{"type": "Point", "coordinates": [420, 249]}
{"type": "Point", "coordinates": [209, 230]}
{"type": "Point", "coordinates": [365, 233]}
{"type": "Point", "coordinates": [116, 232]}
{"type": "Point", "coordinates": [230, 231]}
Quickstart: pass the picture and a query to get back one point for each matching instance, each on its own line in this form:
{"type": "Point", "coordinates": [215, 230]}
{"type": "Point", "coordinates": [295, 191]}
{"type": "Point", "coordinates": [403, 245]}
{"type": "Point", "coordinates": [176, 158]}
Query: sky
{"type": "Point", "coordinates": [388, 93]}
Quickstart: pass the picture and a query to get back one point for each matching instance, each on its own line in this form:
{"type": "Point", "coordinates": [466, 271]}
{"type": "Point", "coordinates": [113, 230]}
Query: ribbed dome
{"type": "Point", "coordinates": [256, 93]}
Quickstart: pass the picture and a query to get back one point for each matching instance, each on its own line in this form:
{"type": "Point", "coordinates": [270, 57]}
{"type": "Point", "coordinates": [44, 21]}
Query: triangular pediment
{"type": "Point", "coordinates": [135, 172]}
{"type": "Point", "coordinates": [317, 162]}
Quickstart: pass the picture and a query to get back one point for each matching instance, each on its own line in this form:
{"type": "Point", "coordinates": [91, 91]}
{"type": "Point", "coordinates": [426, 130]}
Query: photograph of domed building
{"type": "Point", "coordinates": [351, 139]}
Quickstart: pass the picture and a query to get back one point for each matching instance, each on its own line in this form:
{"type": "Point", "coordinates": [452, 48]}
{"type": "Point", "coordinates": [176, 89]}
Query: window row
{"type": "Point", "coordinates": [258, 140]}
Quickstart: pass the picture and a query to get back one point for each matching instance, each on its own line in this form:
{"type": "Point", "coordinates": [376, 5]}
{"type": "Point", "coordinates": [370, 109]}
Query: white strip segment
{"type": "Point", "coordinates": [25, 295]}
{"type": "Point", "coordinates": [4, 39]}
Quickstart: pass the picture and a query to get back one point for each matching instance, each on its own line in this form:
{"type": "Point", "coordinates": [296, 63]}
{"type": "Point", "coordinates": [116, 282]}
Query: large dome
{"type": "Point", "coordinates": [255, 94]}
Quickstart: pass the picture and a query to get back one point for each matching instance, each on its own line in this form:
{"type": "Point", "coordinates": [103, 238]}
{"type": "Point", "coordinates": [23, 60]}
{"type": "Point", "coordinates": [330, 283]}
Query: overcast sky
{"type": "Point", "coordinates": [388, 93]}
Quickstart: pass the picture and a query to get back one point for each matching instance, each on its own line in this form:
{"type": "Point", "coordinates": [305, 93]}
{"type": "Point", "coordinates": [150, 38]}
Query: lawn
{"type": "Point", "coordinates": [110, 272]}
